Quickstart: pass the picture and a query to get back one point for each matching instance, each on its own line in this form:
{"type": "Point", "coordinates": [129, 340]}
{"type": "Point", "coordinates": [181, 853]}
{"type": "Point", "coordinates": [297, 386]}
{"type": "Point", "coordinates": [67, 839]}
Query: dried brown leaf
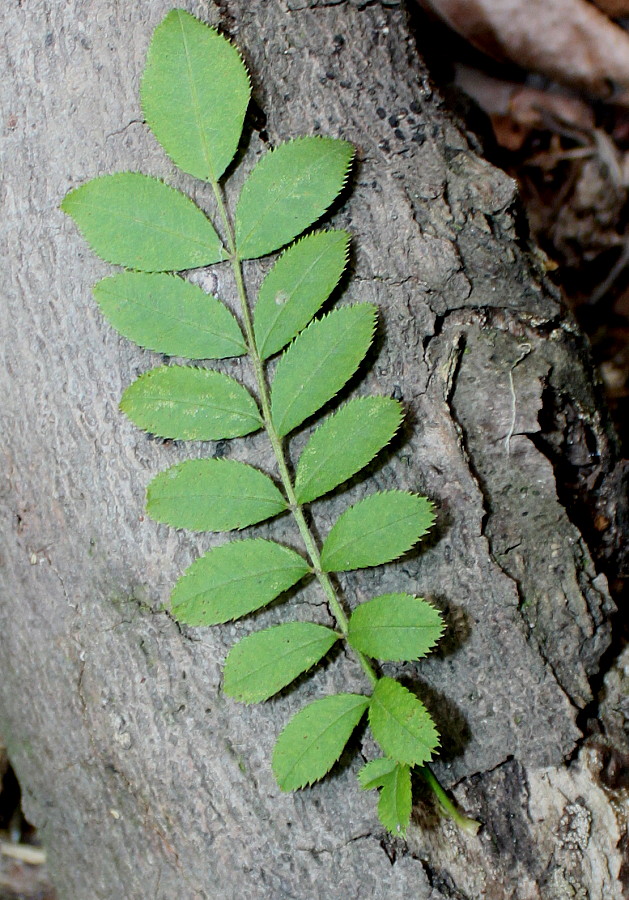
{"type": "Point", "coordinates": [614, 8]}
{"type": "Point", "coordinates": [570, 41]}
{"type": "Point", "coordinates": [516, 109]}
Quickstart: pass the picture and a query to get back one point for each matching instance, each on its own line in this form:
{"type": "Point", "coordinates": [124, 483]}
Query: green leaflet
{"type": "Point", "coordinates": [401, 723]}
{"type": "Point", "coordinates": [170, 315]}
{"type": "Point", "coordinates": [374, 773]}
{"type": "Point", "coordinates": [318, 363]}
{"type": "Point", "coordinates": [190, 404]}
{"type": "Point", "coordinates": [395, 627]}
{"type": "Point", "coordinates": [314, 739]}
{"type": "Point", "coordinates": [264, 663]}
{"type": "Point", "coordinates": [344, 444]}
{"type": "Point", "coordinates": [195, 92]}
{"type": "Point", "coordinates": [395, 803]}
{"type": "Point", "coordinates": [296, 287]}
{"type": "Point", "coordinates": [213, 495]}
{"type": "Point", "coordinates": [235, 579]}
{"type": "Point", "coordinates": [376, 530]}
{"type": "Point", "coordinates": [394, 806]}
{"type": "Point", "coordinates": [136, 221]}
{"type": "Point", "coordinates": [288, 190]}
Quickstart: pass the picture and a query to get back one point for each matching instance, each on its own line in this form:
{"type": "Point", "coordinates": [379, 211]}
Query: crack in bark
{"type": "Point", "coordinates": [124, 128]}
{"type": "Point", "coordinates": [453, 370]}
{"type": "Point", "coordinates": [318, 850]}
{"type": "Point", "coordinates": [442, 881]}
{"type": "Point", "coordinates": [360, 5]}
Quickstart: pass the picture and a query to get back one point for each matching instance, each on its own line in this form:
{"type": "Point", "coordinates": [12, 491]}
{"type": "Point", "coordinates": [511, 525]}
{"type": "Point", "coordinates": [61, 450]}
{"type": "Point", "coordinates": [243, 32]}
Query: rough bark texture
{"type": "Point", "coordinates": [146, 782]}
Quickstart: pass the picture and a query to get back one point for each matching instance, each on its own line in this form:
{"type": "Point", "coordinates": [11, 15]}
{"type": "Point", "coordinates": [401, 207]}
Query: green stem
{"type": "Point", "coordinates": [471, 826]}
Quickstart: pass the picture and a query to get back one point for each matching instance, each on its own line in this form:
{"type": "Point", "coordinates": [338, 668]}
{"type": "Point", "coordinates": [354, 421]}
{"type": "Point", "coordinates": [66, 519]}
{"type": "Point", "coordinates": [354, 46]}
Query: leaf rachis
{"type": "Point", "coordinates": [194, 93]}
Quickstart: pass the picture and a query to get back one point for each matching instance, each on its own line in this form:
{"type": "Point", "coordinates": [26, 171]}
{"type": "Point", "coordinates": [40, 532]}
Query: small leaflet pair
{"type": "Point", "coordinates": [195, 92]}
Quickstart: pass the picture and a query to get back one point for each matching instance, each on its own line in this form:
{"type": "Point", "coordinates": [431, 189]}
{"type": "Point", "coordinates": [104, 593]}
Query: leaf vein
{"type": "Point", "coordinates": [320, 735]}
{"type": "Point", "coordinates": [177, 320]}
{"type": "Point", "coordinates": [195, 100]}
{"type": "Point", "coordinates": [152, 225]}
{"type": "Point", "coordinates": [312, 375]}
{"type": "Point", "coordinates": [229, 581]}
{"type": "Point", "coordinates": [280, 657]}
{"type": "Point", "coordinates": [306, 176]}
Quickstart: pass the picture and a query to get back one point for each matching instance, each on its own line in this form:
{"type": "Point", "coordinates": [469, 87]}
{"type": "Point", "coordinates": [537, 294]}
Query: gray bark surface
{"type": "Point", "coordinates": [144, 780]}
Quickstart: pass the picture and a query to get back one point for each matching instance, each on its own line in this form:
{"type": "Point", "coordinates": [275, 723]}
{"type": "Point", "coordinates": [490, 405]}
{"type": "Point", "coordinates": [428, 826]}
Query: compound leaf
{"type": "Point", "coordinates": [401, 723]}
{"type": "Point", "coordinates": [139, 222]}
{"type": "Point", "coordinates": [376, 530]}
{"type": "Point", "coordinates": [314, 739]}
{"type": "Point", "coordinates": [395, 627]}
{"type": "Point", "coordinates": [289, 189]}
{"type": "Point", "coordinates": [235, 579]}
{"type": "Point", "coordinates": [296, 287]}
{"type": "Point", "coordinates": [263, 663]}
{"type": "Point", "coordinates": [318, 363]}
{"type": "Point", "coordinates": [344, 444]}
{"type": "Point", "coordinates": [190, 404]}
{"type": "Point", "coordinates": [213, 495]}
{"type": "Point", "coordinates": [170, 315]}
{"type": "Point", "coordinates": [195, 92]}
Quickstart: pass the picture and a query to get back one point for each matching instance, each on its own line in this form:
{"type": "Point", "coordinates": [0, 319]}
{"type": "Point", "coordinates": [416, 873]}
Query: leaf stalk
{"type": "Point", "coordinates": [450, 808]}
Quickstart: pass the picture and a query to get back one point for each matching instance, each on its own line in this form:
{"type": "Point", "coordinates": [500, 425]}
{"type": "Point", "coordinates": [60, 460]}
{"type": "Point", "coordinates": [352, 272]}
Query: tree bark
{"type": "Point", "coordinates": [144, 780]}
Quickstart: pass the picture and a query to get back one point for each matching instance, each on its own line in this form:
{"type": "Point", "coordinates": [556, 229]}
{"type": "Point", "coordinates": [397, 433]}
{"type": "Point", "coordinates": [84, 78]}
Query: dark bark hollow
{"type": "Point", "coordinates": [144, 779]}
